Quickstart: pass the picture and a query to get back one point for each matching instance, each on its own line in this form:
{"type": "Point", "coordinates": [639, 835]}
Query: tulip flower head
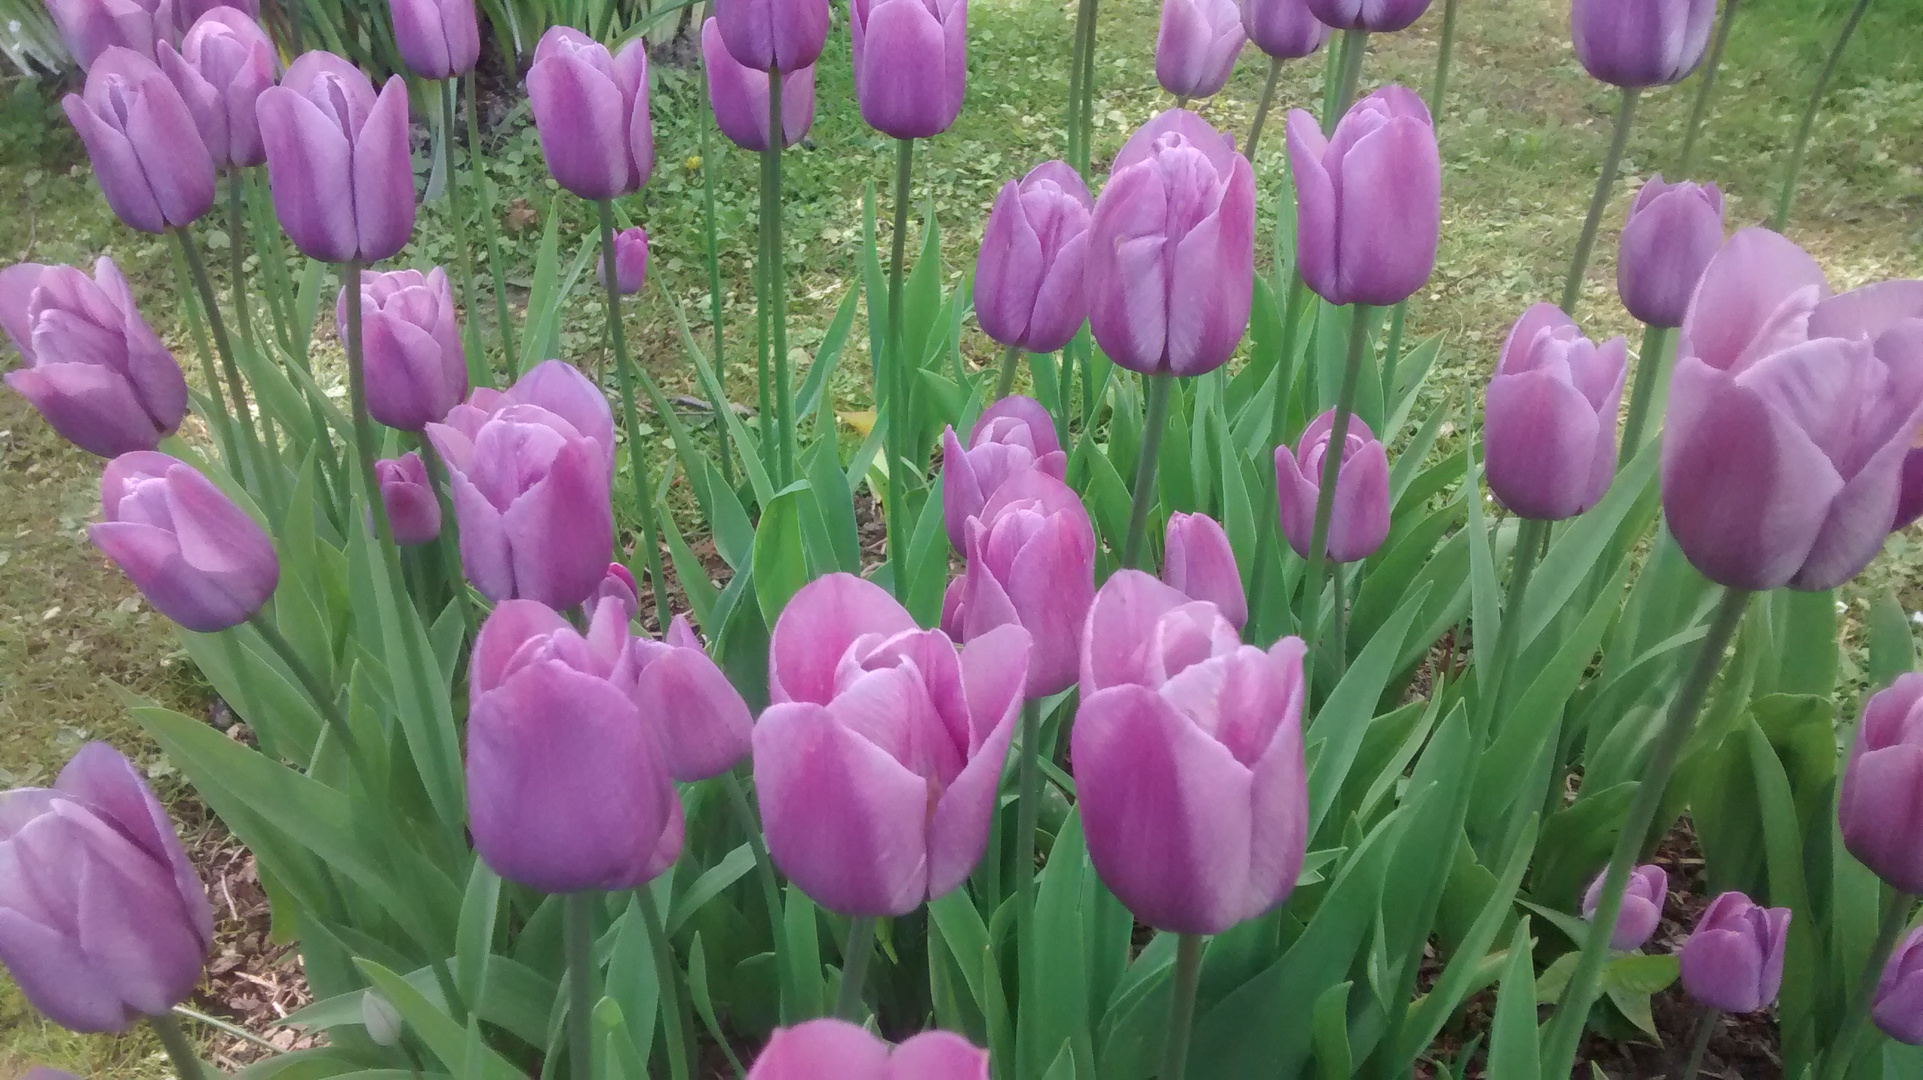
{"type": "Point", "coordinates": [1028, 277]}
{"type": "Point", "coordinates": [619, 587]}
{"type": "Point", "coordinates": [1199, 563]}
{"type": "Point", "coordinates": [337, 160]}
{"type": "Point", "coordinates": [93, 367]}
{"type": "Point", "coordinates": [102, 918]}
{"type": "Point", "coordinates": [876, 767]}
{"type": "Point", "coordinates": [1877, 812]}
{"type": "Point", "coordinates": [703, 722]}
{"type": "Point", "coordinates": [591, 111]}
{"type": "Point", "coordinates": [1196, 47]}
{"type": "Point", "coordinates": [771, 35]}
{"type": "Point", "coordinates": [1641, 42]}
{"type": "Point", "coordinates": [416, 368]}
{"type": "Point", "coordinates": [1672, 232]}
{"type": "Point", "coordinates": [1642, 906]}
{"type": "Point", "coordinates": [911, 64]}
{"type": "Point", "coordinates": [1376, 16]}
{"type": "Point", "coordinates": [1898, 1006]}
{"type": "Point", "coordinates": [630, 261]}
{"type": "Point", "coordinates": [222, 67]}
{"type": "Point", "coordinates": [1359, 515]}
{"type": "Point", "coordinates": [412, 510]}
{"type": "Point", "coordinates": [91, 27]}
{"type": "Point", "coordinates": [1013, 436]}
{"type": "Point", "coordinates": [1368, 201]}
{"type": "Point", "coordinates": [739, 94]}
{"type": "Point", "coordinates": [1549, 427]}
{"type": "Point", "coordinates": [438, 39]}
{"type": "Point", "coordinates": [146, 150]}
{"type": "Point", "coordinates": [1733, 960]}
{"type": "Point", "coordinates": [845, 1051]}
{"type": "Point", "coordinates": [1284, 29]}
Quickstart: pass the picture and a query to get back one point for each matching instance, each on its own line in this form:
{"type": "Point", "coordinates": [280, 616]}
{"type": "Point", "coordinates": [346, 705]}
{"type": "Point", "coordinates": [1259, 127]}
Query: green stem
{"type": "Point", "coordinates": [624, 375]}
{"type": "Point", "coordinates": [766, 422]}
{"type": "Point", "coordinates": [179, 1048]}
{"type": "Point", "coordinates": [1445, 53]}
{"type": "Point", "coordinates": [237, 254]}
{"type": "Point", "coordinates": [490, 231]}
{"type": "Point", "coordinates": [1087, 118]}
{"type": "Point", "coordinates": [765, 871]}
{"type": "Point", "coordinates": [449, 538]}
{"type": "Point", "coordinates": [477, 369]}
{"type": "Point", "coordinates": [673, 1016]}
{"type": "Point", "coordinates": [1262, 106]}
{"type": "Point", "coordinates": [1803, 129]}
{"type": "Point", "coordinates": [854, 966]}
{"type": "Point", "coordinates": [1704, 87]}
{"type": "Point", "coordinates": [898, 371]}
{"type": "Point", "coordinates": [1895, 919]}
{"type": "Point", "coordinates": [718, 391]}
{"type": "Point", "coordinates": [1285, 362]}
{"type": "Point", "coordinates": [1159, 387]}
{"type": "Point", "coordinates": [1315, 577]}
{"type": "Point", "coordinates": [1392, 355]}
{"type": "Point", "coordinates": [1355, 44]}
{"type": "Point", "coordinates": [1338, 623]}
{"type": "Point", "coordinates": [323, 700]}
{"type": "Point", "coordinates": [577, 915]}
{"type": "Point", "coordinates": [1649, 365]}
{"type": "Point", "coordinates": [1065, 378]}
{"type": "Point", "coordinates": [1027, 814]}
{"type": "Point", "coordinates": [1011, 362]}
{"type": "Point", "coordinates": [1528, 554]}
{"type": "Point", "coordinates": [243, 419]}
{"type": "Point", "coordinates": [1625, 117]}
{"type": "Point", "coordinates": [1078, 44]}
{"type": "Point", "coordinates": [1699, 1047]}
{"type": "Point", "coordinates": [1181, 1013]}
{"type": "Point", "coordinates": [778, 284]}
{"type": "Point", "coordinates": [1565, 1027]}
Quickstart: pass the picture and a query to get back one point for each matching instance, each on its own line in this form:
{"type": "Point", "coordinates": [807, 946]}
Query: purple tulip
{"type": "Point", "coordinates": [1672, 232]}
{"type": "Point", "coordinates": [630, 261]}
{"type": "Point", "coordinates": [1882, 823]}
{"type": "Point", "coordinates": [1641, 42]}
{"type": "Point", "coordinates": [1368, 202]}
{"type": "Point", "coordinates": [146, 150]}
{"type": "Point", "coordinates": [836, 1048]}
{"type": "Point", "coordinates": [91, 27]}
{"type": "Point", "coordinates": [771, 35]}
{"type": "Point", "coordinates": [412, 509]}
{"type": "Point", "coordinates": [1031, 563]}
{"type": "Point", "coordinates": [591, 111]}
{"type": "Point", "coordinates": [1013, 436]}
{"type": "Point", "coordinates": [411, 348]}
{"type": "Point", "coordinates": [224, 64]}
{"type": "Point", "coordinates": [1028, 276]}
{"type": "Point", "coordinates": [1196, 47]}
{"type": "Point", "coordinates": [93, 367]}
{"type": "Point", "coordinates": [337, 160]}
{"type": "Point", "coordinates": [911, 64]}
{"type": "Point", "coordinates": [1188, 759]}
{"type": "Point", "coordinates": [568, 783]}
{"type": "Point", "coordinates": [1284, 29]}
{"type": "Point", "coordinates": [1376, 16]}
{"type": "Point", "coordinates": [877, 765]}
{"type": "Point", "coordinates": [1898, 1008]}
{"type": "Point", "coordinates": [739, 95]}
{"type": "Point", "coordinates": [1642, 906]}
{"type": "Point", "coordinates": [1549, 427]}
{"type": "Point", "coordinates": [1171, 250]}
{"type": "Point", "coordinates": [1733, 960]}
{"type": "Point", "coordinates": [196, 557]}
{"type": "Point", "coordinates": [102, 918]}
{"type": "Point", "coordinates": [1199, 563]}
{"type": "Point", "coordinates": [1359, 515]}
{"type": "Point", "coordinates": [438, 39]}
{"type": "Point", "coordinates": [704, 725]}
{"type": "Point", "coordinates": [532, 470]}
{"type": "Point", "coordinates": [618, 586]}
{"type": "Point", "coordinates": [1790, 414]}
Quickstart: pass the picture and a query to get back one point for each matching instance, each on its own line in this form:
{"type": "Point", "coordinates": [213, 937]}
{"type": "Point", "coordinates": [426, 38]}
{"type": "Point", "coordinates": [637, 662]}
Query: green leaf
{"type": "Point", "coordinates": [1578, 840]}
{"type": "Point", "coordinates": [779, 566]}
{"type": "Point", "coordinates": [443, 1036]}
{"type": "Point", "coordinates": [1344, 718]}
{"type": "Point", "coordinates": [835, 503]}
{"type": "Point", "coordinates": [1056, 1007]}
{"type": "Point", "coordinates": [813, 388]}
{"type": "Point", "coordinates": [1330, 1034]}
{"type": "Point", "coordinates": [474, 935]}
{"type": "Point", "coordinates": [1513, 1052]}
{"type": "Point", "coordinates": [692, 574]}
{"type": "Point", "coordinates": [712, 882]}
{"type": "Point", "coordinates": [1638, 974]}
{"type": "Point", "coordinates": [703, 1004]}
{"type": "Point", "coordinates": [1892, 648]}
{"type": "Point", "coordinates": [1581, 545]}
{"type": "Point", "coordinates": [802, 986]}
{"type": "Point", "coordinates": [928, 550]}
{"type": "Point", "coordinates": [632, 978]}
{"type": "Point", "coordinates": [967, 939]}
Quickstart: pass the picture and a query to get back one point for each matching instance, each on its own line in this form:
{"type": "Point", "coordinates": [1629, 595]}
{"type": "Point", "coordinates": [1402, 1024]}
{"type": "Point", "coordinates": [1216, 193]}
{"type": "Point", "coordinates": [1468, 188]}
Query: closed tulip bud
{"type": "Point", "coordinates": [630, 261]}
{"type": "Point", "coordinates": [1359, 515]}
{"type": "Point", "coordinates": [146, 150]}
{"type": "Point", "coordinates": [1877, 810]}
{"type": "Point", "coordinates": [845, 1051]}
{"type": "Point", "coordinates": [1549, 428]}
{"type": "Point", "coordinates": [93, 367]}
{"type": "Point", "coordinates": [1171, 250]}
{"type": "Point", "coordinates": [1642, 906]}
{"type": "Point", "coordinates": [1376, 16]}
{"type": "Point", "coordinates": [1898, 1006]}
{"type": "Point", "coordinates": [877, 765]}
{"type": "Point", "coordinates": [1013, 436]}
{"type": "Point", "coordinates": [223, 65]}
{"type": "Point", "coordinates": [591, 111]}
{"type": "Point", "coordinates": [531, 470]}
{"type": "Point", "coordinates": [620, 588]}
{"type": "Point", "coordinates": [1188, 759]}
{"type": "Point", "coordinates": [381, 1019]}
{"type": "Point", "coordinates": [739, 95]}
{"type": "Point", "coordinates": [102, 918]}
{"type": "Point", "coordinates": [91, 27]}
{"type": "Point", "coordinates": [911, 64]}
{"type": "Point", "coordinates": [1196, 47]}
{"type": "Point", "coordinates": [337, 160]}
{"type": "Point", "coordinates": [438, 39]}
{"type": "Point", "coordinates": [416, 368]}
{"type": "Point", "coordinates": [704, 725]}
{"type": "Point", "coordinates": [1672, 232]}
{"type": "Point", "coordinates": [412, 509]}
{"type": "Point", "coordinates": [196, 557]}
{"type": "Point", "coordinates": [1199, 563]}
{"type": "Point", "coordinates": [1641, 42]}
{"type": "Point", "coordinates": [771, 35]}
{"type": "Point", "coordinates": [1733, 960]}
{"type": "Point", "coordinates": [1790, 415]}
{"type": "Point", "coordinates": [1028, 277]}
{"type": "Point", "coordinates": [1368, 202]}
{"type": "Point", "coordinates": [1284, 29]}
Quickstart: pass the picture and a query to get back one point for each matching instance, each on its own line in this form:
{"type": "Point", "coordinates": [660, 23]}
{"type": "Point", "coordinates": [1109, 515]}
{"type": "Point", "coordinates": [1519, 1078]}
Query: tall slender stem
{"type": "Point", "coordinates": [1315, 577]}
{"type": "Point", "coordinates": [778, 283]}
{"type": "Point", "coordinates": [1705, 86]}
{"type": "Point", "coordinates": [237, 254]}
{"type": "Point", "coordinates": [449, 538]}
{"type": "Point", "coordinates": [1181, 1013]}
{"type": "Point", "coordinates": [477, 369]}
{"type": "Point", "coordinates": [767, 423]}
{"type": "Point", "coordinates": [322, 698]}
{"type": "Point", "coordinates": [1262, 106]}
{"type": "Point", "coordinates": [1625, 116]}
{"type": "Point", "coordinates": [1797, 149]}
{"type": "Point", "coordinates": [224, 347]}
{"type": "Point", "coordinates": [1011, 363]}
{"type": "Point", "coordinates": [898, 374]}
{"type": "Point", "coordinates": [577, 916]}
{"type": "Point", "coordinates": [1445, 54]}
{"type": "Point", "coordinates": [765, 871]}
{"type": "Point", "coordinates": [1649, 365]}
{"type": "Point", "coordinates": [1087, 118]}
{"type": "Point", "coordinates": [1895, 918]}
{"type": "Point", "coordinates": [854, 966]}
{"type": "Point", "coordinates": [1699, 1046]}
{"type": "Point", "coordinates": [180, 1050]}
{"type": "Point", "coordinates": [490, 231]}
{"type": "Point", "coordinates": [1077, 46]}
{"type": "Point", "coordinates": [1285, 362]}
{"type": "Point", "coordinates": [1027, 814]}
{"type": "Point", "coordinates": [1159, 387]}
{"type": "Point", "coordinates": [1529, 538]}
{"type": "Point", "coordinates": [1355, 44]}
{"type": "Point", "coordinates": [624, 375]}
{"type": "Point", "coordinates": [718, 393]}
{"type": "Point", "coordinates": [667, 974]}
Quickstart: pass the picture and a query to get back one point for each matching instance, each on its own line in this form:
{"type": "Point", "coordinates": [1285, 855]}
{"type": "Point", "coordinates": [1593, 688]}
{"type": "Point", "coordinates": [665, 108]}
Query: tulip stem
{"type": "Point", "coordinates": [477, 175]}
{"type": "Point", "coordinates": [323, 700]}
{"type": "Point", "coordinates": [1316, 575]}
{"type": "Point", "coordinates": [1159, 387]}
{"type": "Point", "coordinates": [1088, 90]}
{"type": "Point", "coordinates": [765, 870]}
{"type": "Point", "coordinates": [854, 966]}
{"type": "Point", "coordinates": [437, 481]}
{"type": "Point", "coordinates": [1699, 1046]}
{"type": "Point", "coordinates": [637, 458]}
{"type": "Point", "coordinates": [237, 252]}
{"type": "Point", "coordinates": [577, 916]}
{"type": "Point", "coordinates": [1011, 362]}
{"type": "Point", "coordinates": [718, 390]}
{"type": "Point", "coordinates": [1895, 919]}
{"type": "Point", "coordinates": [1704, 86]}
{"type": "Point", "coordinates": [179, 1048]}
{"type": "Point", "coordinates": [224, 346]}
{"type": "Point", "coordinates": [1292, 318]}
{"type": "Point", "coordinates": [1262, 106]}
{"type": "Point", "coordinates": [1355, 45]}
{"type": "Point", "coordinates": [1338, 623]}
{"type": "Point", "coordinates": [477, 369]}
{"type": "Point", "coordinates": [1028, 812]}
{"type": "Point", "coordinates": [1445, 53]}
{"type": "Point", "coordinates": [1612, 160]}
{"type": "Point", "coordinates": [1530, 534]}
{"type": "Point", "coordinates": [898, 368]}
{"type": "Point", "coordinates": [777, 281]}
{"type": "Point", "coordinates": [1181, 1013]}
{"type": "Point", "coordinates": [1565, 1027]}
{"type": "Point", "coordinates": [1788, 197]}
{"type": "Point", "coordinates": [667, 974]}
{"type": "Point", "coordinates": [1076, 47]}
{"type": "Point", "coordinates": [1649, 365]}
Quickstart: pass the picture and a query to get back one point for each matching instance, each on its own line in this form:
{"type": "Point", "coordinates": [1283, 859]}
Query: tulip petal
{"type": "Point", "coordinates": [1279, 836]}
{"type": "Point", "coordinates": [704, 725]}
{"type": "Point", "coordinates": [937, 1055]}
{"type": "Point", "coordinates": [561, 530]}
{"type": "Point", "coordinates": [116, 168]}
{"type": "Point", "coordinates": [485, 555]}
{"type": "Point", "coordinates": [1391, 213]}
{"type": "Point", "coordinates": [993, 670]}
{"type": "Point", "coordinates": [1756, 273]}
{"type": "Point", "coordinates": [307, 155]}
{"type": "Point", "coordinates": [384, 176]}
{"type": "Point", "coordinates": [1315, 207]}
{"type": "Point", "coordinates": [1208, 305]}
{"type": "Point", "coordinates": [150, 557]}
{"type": "Point", "coordinates": [1051, 586]}
{"type": "Point", "coordinates": [901, 78]}
{"type": "Point", "coordinates": [1540, 437]}
{"type": "Point", "coordinates": [576, 110]}
{"type": "Point", "coordinates": [99, 775]}
{"type": "Point", "coordinates": [816, 628]}
{"type": "Point", "coordinates": [57, 978]}
{"type": "Point", "coordinates": [1120, 621]}
{"type": "Point", "coordinates": [89, 405]}
{"type": "Point", "coordinates": [508, 627]}
{"type": "Point", "coordinates": [822, 1048]}
{"type": "Point", "coordinates": [1723, 970]}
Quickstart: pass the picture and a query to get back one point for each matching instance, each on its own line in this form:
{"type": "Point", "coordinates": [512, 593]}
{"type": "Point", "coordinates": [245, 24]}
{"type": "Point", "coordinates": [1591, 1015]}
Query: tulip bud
{"type": "Point", "coordinates": [1368, 202]}
{"type": "Point", "coordinates": [911, 64]}
{"type": "Point", "coordinates": [1898, 1007]}
{"type": "Point", "coordinates": [1790, 416]}
{"type": "Point", "coordinates": [146, 150]}
{"type": "Point", "coordinates": [1376, 16]}
{"type": "Point", "coordinates": [1188, 759]}
{"type": "Point", "coordinates": [438, 39]}
{"type": "Point", "coordinates": [412, 510]}
{"type": "Point", "coordinates": [411, 351]}
{"type": "Point", "coordinates": [845, 1051]}
{"type": "Point", "coordinates": [1672, 232]}
{"type": "Point", "coordinates": [1028, 277]}
{"type": "Point", "coordinates": [1876, 809]}
{"type": "Point", "coordinates": [1013, 436]}
{"type": "Point", "coordinates": [196, 557]}
{"type": "Point", "coordinates": [1733, 960]}
{"type": "Point", "coordinates": [771, 35]}
{"type": "Point", "coordinates": [630, 261]}
{"type": "Point", "coordinates": [877, 765]}
{"type": "Point", "coordinates": [739, 95]}
{"type": "Point", "coordinates": [91, 27]}
{"type": "Point", "coordinates": [224, 64]}
{"type": "Point", "coordinates": [1642, 906]}
{"type": "Point", "coordinates": [1641, 42]}
{"type": "Point", "coordinates": [1549, 428]}
{"type": "Point", "coordinates": [1171, 250]}
{"type": "Point", "coordinates": [381, 1019]}
{"type": "Point", "coordinates": [102, 918]}
{"type": "Point", "coordinates": [1199, 563]}
{"type": "Point", "coordinates": [532, 472]}
{"type": "Point", "coordinates": [1196, 47]}
{"type": "Point", "coordinates": [1284, 29]}
{"type": "Point", "coordinates": [93, 367]}
{"type": "Point", "coordinates": [704, 725]}
{"type": "Point", "coordinates": [337, 160]}
{"type": "Point", "coordinates": [591, 111]}
{"type": "Point", "coordinates": [1359, 515]}
{"type": "Point", "coordinates": [619, 587]}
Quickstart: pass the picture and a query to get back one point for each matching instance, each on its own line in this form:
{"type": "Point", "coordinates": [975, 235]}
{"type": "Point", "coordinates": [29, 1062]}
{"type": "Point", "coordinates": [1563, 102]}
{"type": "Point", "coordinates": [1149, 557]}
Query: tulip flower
{"type": "Point", "coordinates": [1031, 562]}
{"type": "Point", "coordinates": [739, 95]}
{"type": "Point", "coordinates": [911, 64]}
{"type": "Point", "coordinates": [1013, 436]}
{"type": "Point", "coordinates": [1171, 249]}
{"type": "Point", "coordinates": [93, 367]}
{"type": "Point", "coordinates": [630, 261]}
{"type": "Point", "coordinates": [1028, 277]}
{"type": "Point", "coordinates": [1672, 232]}
{"type": "Point", "coordinates": [410, 346]}
{"type": "Point", "coordinates": [771, 35]}
{"type": "Point", "coordinates": [704, 724]}
{"type": "Point", "coordinates": [532, 470]}
{"type": "Point", "coordinates": [224, 64]}
{"type": "Point", "coordinates": [1549, 427]}
{"type": "Point", "coordinates": [102, 918]}
{"type": "Point", "coordinates": [1642, 906]}
{"type": "Point", "coordinates": [1188, 759]}
{"type": "Point", "coordinates": [147, 152]}
{"type": "Point", "coordinates": [1368, 201]}
{"type": "Point", "coordinates": [1199, 563]}
{"type": "Point", "coordinates": [1284, 29]}
{"type": "Point", "coordinates": [591, 111]}
{"type": "Point", "coordinates": [568, 784]}
{"type": "Point", "coordinates": [412, 509]}
{"type": "Point", "coordinates": [618, 586]}
{"type": "Point", "coordinates": [337, 160]}
{"type": "Point", "coordinates": [91, 27]}
{"type": "Point", "coordinates": [845, 1051]}
{"type": "Point", "coordinates": [1196, 47]}
{"type": "Point", "coordinates": [196, 557]}
{"type": "Point", "coordinates": [1641, 42]}
{"type": "Point", "coordinates": [1733, 960]}
{"type": "Point", "coordinates": [1790, 415]}
{"type": "Point", "coordinates": [1375, 16]}
{"type": "Point", "coordinates": [1876, 810]}
{"type": "Point", "coordinates": [1359, 516]}
{"type": "Point", "coordinates": [877, 765]}
{"type": "Point", "coordinates": [1898, 1006]}
{"type": "Point", "coordinates": [438, 39]}
{"type": "Point", "coordinates": [188, 12]}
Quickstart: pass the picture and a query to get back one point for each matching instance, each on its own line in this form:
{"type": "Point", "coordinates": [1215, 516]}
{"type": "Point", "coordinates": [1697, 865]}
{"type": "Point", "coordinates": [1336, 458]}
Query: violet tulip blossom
{"type": "Point", "coordinates": [772, 35]}
{"type": "Point", "coordinates": [591, 112]}
{"type": "Point", "coordinates": [1375, 16]}
{"type": "Point", "coordinates": [630, 261]}
{"type": "Point", "coordinates": [337, 160]}
{"type": "Point", "coordinates": [412, 510]}
{"type": "Point", "coordinates": [223, 66]}
{"type": "Point", "coordinates": [1641, 42]}
{"type": "Point", "coordinates": [1642, 906]}
{"type": "Point", "coordinates": [146, 150]}
{"type": "Point", "coordinates": [704, 724]}
{"type": "Point", "coordinates": [1196, 46]}
{"type": "Point", "coordinates": [1199, 563]}
{"type": "Point", "coordinates": [1897, 1008]}
{"type": "Point", "coordinates": [1549, 426]}
{"type": "Point", "coordinates": [820, 1049]}
{"type": "Point", "coordinates": [1881, 822]}
{"type": "Point", "coordinates": [1733, 960]}
{"type": "Point", "coordinates": [91, 27]}
{"type": "Point", "coordinates": [1672, 232]}
{"type": "Point", "coordinates": [416, 367]}
{"type": "Point", "coordinates": [911, 64]}
{"type": "Point", "coordinates": [438, 39]}
{"type": "Point", "coordinates": [1369, 200]}
{"type": "Point", "coordinates": [739, 95]}
{"type": "Point", "coordinates": [1011, 437]}
{"type": "Point", "coordinates": [618, 587]}
{"type": "Point", "coordinates": [1284, 29]}
{"type": "Point", "coordinates": [1359, 514]}
{"type": "Point", "coordinates": [1028, 276]}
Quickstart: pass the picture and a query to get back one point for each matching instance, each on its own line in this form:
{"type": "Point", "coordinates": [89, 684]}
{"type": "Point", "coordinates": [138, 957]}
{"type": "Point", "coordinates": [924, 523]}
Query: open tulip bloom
{"type": "Point", "coordinates": [1011, 437]}
{"type": "Point", "coordinates": [1029, 275]}
{"type": "Point", "coordinates": [845, 1051]}
{"type": "Point", "coordinates": [146, 149]}
{"type": "Point", "coordinates": [1549, 427]}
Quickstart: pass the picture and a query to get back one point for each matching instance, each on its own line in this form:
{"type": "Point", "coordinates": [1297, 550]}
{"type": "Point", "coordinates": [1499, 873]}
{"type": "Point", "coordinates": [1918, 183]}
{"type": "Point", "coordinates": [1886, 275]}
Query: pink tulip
{"type": "Point", "coordinates": [1642, 906]}
{"type": "Point", "coordinates": [837, 1049]}
{"type": "Point", "coordinates": [1359, 515]}
{"type": "Point", "coordinates": [147, 152]}
{"type": "Point", "coordinates": [412, 509]}
{"type": "Point", "coordinates": [1199, 563]}
{"type": "Point", "coordinates": [338, 161]}
{"type": "Point", "coordinates": [739, 95]}
{"type": "Point", "coordinates": [911, 64]}
{"type": "Point", "coordinates": [1028, 276]}
{"type": "Point", "coordinates": [1733, 960]}
{"type": "Point", "coordinates": [1013, 436]}
{"type": "Point", "coordinates": [224, 64]}
{"type": "Point", "coordinates": [1549, 426]}
{"type": "Point", "coordinates": [591, 112]}
{"type": "Point", "coordinates": [416, 366]}
{"type": "Point", "coordinates": [1196, 47]}
{"type": "Point", "coordinates": [195, 555]}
